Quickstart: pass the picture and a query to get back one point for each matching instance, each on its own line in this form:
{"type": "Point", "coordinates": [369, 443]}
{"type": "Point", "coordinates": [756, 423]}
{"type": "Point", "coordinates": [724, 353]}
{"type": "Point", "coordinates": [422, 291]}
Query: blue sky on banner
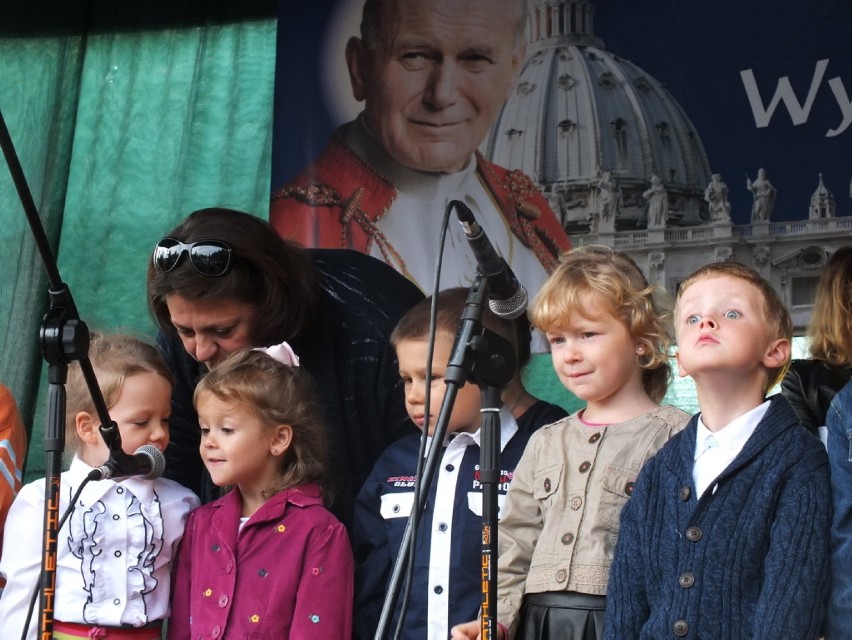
{"type": "Point", "coordinates": [766, 84]}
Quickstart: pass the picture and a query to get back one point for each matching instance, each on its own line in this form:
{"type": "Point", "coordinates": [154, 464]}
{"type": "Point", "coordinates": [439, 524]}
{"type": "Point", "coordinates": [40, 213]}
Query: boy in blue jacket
{"type": "Point", "coordinates": [446, 587]}
{"type": "Point", "coordinates": [726, 534]}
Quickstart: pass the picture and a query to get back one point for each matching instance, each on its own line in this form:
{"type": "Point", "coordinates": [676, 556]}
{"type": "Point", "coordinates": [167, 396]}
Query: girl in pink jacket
{"type": "Point", "coordinates": [267, 560]}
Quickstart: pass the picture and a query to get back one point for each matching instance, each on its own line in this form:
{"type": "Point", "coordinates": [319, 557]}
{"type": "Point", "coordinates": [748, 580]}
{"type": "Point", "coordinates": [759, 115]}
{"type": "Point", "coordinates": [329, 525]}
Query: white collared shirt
{"type": "Point", "coordinates": [442, 519]}
{"type": "Point", "coordinates": [113, 553]}
{"type": "Point", "coordinates": [715, 450]}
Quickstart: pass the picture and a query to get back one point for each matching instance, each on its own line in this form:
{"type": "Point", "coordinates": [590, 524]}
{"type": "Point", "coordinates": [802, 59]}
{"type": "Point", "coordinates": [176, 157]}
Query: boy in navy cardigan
{"type": "Point", "coordinates": [726, 534]}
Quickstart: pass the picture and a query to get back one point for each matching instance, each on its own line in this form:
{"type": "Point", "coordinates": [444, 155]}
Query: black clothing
{"type": "Point", "coordinates": [809, 386]}
{"type": "Point", "coordinates": [347, 351]}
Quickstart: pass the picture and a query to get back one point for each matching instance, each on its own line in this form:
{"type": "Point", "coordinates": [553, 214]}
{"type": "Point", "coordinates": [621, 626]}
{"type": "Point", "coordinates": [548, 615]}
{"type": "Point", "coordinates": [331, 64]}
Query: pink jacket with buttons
{"type": "Point", "coordinates": [287, 575]}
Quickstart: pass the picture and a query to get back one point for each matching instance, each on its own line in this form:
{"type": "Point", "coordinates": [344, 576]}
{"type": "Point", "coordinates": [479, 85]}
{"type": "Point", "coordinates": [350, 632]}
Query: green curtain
{"type": "Point", "coordinates": [123, 123]}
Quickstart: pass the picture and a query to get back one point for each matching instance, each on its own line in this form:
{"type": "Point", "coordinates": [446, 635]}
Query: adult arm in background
{"type": "Point", "coordinates": [839, 423]}
{"type": "Point", "coordinates": [13, 452]}
{"type": "Point", "coordinates": [348, 352]}
{"type": "Point", "coordinates": [809, 386]}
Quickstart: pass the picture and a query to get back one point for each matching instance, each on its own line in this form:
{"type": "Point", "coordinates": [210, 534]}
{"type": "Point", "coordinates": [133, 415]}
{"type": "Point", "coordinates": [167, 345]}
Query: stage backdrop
{"type": "Point", "coordinates": [764, 85]}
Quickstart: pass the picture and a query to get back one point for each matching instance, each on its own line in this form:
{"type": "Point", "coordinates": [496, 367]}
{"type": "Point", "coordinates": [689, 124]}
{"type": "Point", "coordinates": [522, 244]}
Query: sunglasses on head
{"type": "Point", "coordinates": [208, 257]}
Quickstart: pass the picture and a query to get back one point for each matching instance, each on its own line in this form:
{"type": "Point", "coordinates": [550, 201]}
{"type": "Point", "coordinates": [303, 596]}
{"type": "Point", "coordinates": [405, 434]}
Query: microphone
{"type": "Point", "coordinates": [507, 297]}
{"type": "Point", "coordinates": [147, 461]}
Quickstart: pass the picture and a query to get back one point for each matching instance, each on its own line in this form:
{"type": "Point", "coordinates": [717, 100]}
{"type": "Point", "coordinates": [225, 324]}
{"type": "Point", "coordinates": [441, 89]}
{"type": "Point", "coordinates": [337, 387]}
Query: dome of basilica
{"type": "Point", "coordinates": [595, 132]}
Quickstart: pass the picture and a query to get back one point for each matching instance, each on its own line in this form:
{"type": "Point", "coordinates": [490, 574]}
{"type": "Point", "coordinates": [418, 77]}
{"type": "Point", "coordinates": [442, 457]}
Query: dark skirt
{"type": "Point", "coordinates": [566, 615]}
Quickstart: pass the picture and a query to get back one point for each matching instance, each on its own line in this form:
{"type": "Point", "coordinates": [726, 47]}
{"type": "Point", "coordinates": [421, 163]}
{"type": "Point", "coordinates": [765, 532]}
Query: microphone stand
{"type": "Point", "coordinates": [63, 338]}
{"type": "Point", "coordinates": [487, 360]}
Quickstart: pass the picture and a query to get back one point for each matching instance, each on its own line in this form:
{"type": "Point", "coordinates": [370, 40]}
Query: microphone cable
{"type": "Point", "coordinates": [414, 517]}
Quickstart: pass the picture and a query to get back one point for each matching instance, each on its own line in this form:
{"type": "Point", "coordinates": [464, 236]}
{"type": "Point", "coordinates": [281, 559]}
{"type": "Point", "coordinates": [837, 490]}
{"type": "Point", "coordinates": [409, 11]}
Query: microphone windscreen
{"type": "Point", "coordinates": [158, 460]}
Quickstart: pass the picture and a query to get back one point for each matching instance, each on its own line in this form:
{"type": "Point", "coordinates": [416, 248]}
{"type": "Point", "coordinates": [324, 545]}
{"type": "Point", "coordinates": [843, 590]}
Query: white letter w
{"type": "Point", "coordinates": [783, 91]}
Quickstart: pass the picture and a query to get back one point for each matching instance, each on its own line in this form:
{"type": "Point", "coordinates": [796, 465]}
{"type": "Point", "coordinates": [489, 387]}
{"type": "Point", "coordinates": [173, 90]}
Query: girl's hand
{"type": "Point", "coordinates": [466, 631]}
{"type": "Point", "coordinates": [470, 631]}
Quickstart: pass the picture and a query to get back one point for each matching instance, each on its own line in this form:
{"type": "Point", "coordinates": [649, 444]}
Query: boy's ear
{"type": "Point", "coordinates": [680, 370]}
{"type": "Point", "coordinates": [282, 440]}
{"type": "Point", "coordinates": [777, 353]}
{"type": "Point", "coordinates": [87, 427]}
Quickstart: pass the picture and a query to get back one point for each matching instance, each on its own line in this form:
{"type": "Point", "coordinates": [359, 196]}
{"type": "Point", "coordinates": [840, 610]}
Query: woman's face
{"type": "Point", "coordinates": [212, 329]}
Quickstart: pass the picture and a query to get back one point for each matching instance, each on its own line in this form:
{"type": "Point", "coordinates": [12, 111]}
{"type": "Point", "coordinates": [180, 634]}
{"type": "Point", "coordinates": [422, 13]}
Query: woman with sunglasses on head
{"type": "Point", "coordinates": [223, 280]}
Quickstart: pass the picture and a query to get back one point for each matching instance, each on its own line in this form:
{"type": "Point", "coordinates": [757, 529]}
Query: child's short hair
{"type": "Point", "coordinates": [414, 325]}
{"type": "Point", "coordinates": [615, 281]}
{"type": "Point", "coordinates": [114, 358]}
{"type": "Point", "coordinates": [830, 328]}
{"type": "Point", "coordinates": [277, 394]}
{"type": "Point", "coordinates": [775, 314]}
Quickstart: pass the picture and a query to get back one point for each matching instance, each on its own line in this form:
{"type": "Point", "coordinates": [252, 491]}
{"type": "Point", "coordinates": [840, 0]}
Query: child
{"type": "Point", "coordinates": [447, 585]}
{"type": "Point", "coordinates": [726, 535]}
{"type": "Point", "coordinates": [114, 553]}
{"type": "Point", "coordinates": [267, 560]}
{"type": "Point", "coordinates": [839, 423]}
{"type": "Point", "coordinates": [13, 452]}
{"type": "Point", "coordinates": [609, 343]}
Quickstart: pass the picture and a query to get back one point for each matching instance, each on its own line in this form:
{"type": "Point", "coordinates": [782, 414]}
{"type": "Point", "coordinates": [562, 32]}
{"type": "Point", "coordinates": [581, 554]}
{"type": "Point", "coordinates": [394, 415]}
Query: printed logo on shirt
{"type": "Point", "coordinates": [401, 481]}
{"type": "Point", "coordinates": [502, 485]}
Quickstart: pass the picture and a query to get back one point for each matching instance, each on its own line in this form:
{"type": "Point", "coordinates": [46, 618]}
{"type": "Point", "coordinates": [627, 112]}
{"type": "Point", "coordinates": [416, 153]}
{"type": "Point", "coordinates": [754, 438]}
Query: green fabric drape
{"type": "Point", "coordinates": [122, 132]}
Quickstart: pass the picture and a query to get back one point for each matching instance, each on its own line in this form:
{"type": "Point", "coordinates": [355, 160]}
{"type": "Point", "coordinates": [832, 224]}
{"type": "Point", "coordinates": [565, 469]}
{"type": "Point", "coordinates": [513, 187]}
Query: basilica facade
{"type": "Point", "coordinates": [622, 165]}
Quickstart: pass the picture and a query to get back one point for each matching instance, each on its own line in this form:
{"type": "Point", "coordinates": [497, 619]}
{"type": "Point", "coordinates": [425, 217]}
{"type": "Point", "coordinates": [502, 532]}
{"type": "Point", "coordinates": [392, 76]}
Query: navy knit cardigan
{"type": "Point", "coordinates": [748, 560]}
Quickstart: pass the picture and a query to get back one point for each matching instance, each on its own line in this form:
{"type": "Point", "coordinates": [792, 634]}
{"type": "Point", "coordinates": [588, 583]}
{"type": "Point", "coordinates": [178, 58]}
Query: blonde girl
{"type": "Point", "coordinates": [609, 339]}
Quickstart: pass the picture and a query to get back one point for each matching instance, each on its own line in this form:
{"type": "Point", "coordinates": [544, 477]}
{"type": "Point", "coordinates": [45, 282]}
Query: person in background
{"type": "Point", "coordinates": [726, 535]}
{"type": "Point", "coordinates": [609, 339]}
{"type": "Point", "coordinates": [446, 586]}
{"type": "Point", "coordinates": [115, 551]}
{"type": "Point", "coordinates": [433, 76]}
{"type": "Point", "coordinates": [13, 453]}
{"type": "Point", "coordinates": [839, 425]}
{"type": "Point", "coordinates": [223, 280]}
{"type": "Point", "coordinates": [810, 384]}
{"type": "Point", "coordinates": [267, 560]}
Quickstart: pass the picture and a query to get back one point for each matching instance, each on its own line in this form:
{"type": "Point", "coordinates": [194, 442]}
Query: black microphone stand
{"type": "Point", "coordinates": [487, 360]}
{"type": "Point", "coordinates": [63, 338]}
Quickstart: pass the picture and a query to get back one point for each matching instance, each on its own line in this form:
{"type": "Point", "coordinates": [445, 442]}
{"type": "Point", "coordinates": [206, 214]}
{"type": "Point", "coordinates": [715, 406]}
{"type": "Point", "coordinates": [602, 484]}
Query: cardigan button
{"type": "Point", "coordinates": [628, 488]}
{"type": "Point", "coordinates": [217, 631]}
{"type": "Point", "coordinates": [568, 538]}
{"type": "Point", "coordinates": [686, 579]}
{"type": "Point", "coordinates": [595, 437]}
{"type": "Point", "coordinates": [680, 628]}
{"type": "Point", "coordinates": [585, 466]}
{"type": "Point", "coordinates": [693, 534]}
{"type": "Point", "coordinates": [561, 575]}
{"type": "Point", "coordinates": [223, 601]}
{"type": "Point", "coordinates": [684, 493]}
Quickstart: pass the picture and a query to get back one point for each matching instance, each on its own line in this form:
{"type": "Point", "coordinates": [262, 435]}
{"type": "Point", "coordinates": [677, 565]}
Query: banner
{"type": "Point", "coordinates": [766, 85]}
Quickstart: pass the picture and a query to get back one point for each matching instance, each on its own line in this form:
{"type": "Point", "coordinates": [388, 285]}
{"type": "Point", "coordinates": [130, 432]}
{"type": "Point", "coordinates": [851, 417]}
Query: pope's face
{"type": "Point", "coordinates": [436, 81]}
